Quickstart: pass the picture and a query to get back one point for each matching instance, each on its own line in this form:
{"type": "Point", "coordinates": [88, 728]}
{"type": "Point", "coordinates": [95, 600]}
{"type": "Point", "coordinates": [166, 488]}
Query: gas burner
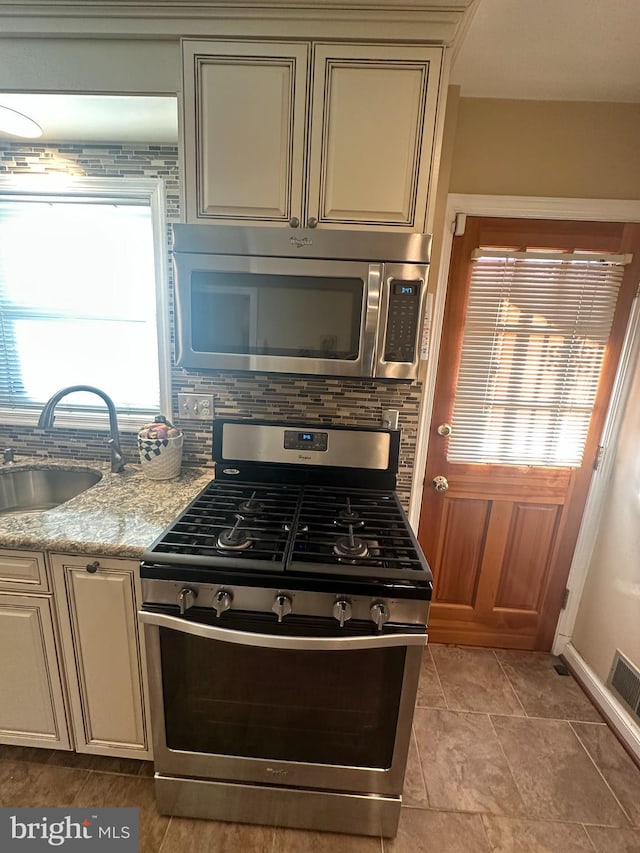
{"type": "Point", "coordinates": [351, 547]}
{"type": "Point", "coordinates": [251, 507]}
{"type": "Point", "coordinates": [235, 538]}
{"type": "Point", "coordinates": [349, 517]}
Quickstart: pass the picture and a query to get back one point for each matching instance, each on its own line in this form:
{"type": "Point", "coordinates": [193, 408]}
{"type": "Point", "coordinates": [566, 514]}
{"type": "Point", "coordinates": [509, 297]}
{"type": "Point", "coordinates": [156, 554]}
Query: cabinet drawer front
{"type": "Point", "coordinates": [31, 701]}
{"type": "Point", "coordinates": [23, 570]}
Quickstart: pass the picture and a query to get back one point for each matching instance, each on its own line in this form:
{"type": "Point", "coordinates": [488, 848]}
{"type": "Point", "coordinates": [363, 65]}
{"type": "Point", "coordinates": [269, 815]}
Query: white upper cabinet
{"type": "Point", "coordinates": [372, 134]}
{"type": "Point", "coordinates": [309, 134]}
{"type": "Point", "coordinates": [244, 129]}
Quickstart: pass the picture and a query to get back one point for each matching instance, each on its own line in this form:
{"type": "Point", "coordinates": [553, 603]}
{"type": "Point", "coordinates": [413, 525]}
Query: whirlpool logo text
{"type": "Point", "coordinates": [32, 830]}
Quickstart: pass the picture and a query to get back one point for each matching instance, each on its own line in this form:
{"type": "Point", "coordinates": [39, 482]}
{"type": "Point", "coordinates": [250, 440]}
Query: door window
{"type": "Point", "coordinates": [535, 335]}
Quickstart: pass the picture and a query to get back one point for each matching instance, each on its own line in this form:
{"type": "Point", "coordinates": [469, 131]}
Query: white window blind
{"type": "Point", "coordinates": [78, 300]}
{"type": "Point", "coordinates": [534, 339]}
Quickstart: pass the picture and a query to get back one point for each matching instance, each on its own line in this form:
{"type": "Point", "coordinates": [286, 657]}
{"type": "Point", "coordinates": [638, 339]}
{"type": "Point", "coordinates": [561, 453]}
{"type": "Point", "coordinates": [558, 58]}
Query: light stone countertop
{"type": "Point", "coordinates": [120, 516]}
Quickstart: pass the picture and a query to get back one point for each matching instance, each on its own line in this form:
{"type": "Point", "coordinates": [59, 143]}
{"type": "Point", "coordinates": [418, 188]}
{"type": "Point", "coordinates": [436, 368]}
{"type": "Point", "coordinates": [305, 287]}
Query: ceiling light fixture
{"type": "Point", "coordinates": [17, 124]}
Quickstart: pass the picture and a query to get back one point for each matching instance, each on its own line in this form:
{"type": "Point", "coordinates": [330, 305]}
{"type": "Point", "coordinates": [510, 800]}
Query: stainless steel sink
{"type": "Point", "coordinates": [39, 489]}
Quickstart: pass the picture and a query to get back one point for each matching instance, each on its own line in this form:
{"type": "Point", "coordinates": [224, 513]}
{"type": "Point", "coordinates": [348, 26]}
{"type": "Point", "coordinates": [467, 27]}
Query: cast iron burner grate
{"type": "Point", "coordinates": [305, 530]}
{"type": "Point", "coordinates": [374, 520]}
{"type": "Point", "coordinates": [226, 520]}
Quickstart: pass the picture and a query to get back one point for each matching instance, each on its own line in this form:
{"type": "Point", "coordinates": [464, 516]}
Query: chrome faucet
{"type": "Point", "coordinates": [46, 421]}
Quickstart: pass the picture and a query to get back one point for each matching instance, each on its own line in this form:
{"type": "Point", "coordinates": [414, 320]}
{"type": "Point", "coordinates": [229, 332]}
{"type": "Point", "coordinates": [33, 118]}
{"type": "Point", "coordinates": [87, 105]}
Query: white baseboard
{"type": "Point", "coordinates": [618, 717]}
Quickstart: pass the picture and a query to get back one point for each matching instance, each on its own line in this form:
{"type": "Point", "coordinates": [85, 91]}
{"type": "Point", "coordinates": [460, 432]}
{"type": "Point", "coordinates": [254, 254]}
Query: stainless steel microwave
{"type": "Point", "coordinates": [328, 303]}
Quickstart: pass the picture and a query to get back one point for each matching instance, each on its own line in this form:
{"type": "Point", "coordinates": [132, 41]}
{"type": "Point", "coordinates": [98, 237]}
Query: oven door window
{"type": "Point", "coordinates": [326, 707]}
{"type": "Point", "coordinates": [276, 315]}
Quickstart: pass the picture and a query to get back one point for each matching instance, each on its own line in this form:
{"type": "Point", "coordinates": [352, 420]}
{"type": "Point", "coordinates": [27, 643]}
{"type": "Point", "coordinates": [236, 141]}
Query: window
{"type": "Point", "coordinates": [82, 295]}
{"type": "Point", "coordinates": [535, 335]}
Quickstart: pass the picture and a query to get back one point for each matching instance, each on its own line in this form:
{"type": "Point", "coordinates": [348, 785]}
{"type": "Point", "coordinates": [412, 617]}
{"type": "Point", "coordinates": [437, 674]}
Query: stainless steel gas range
{"type": "Point", "coordinates": [285, 614]}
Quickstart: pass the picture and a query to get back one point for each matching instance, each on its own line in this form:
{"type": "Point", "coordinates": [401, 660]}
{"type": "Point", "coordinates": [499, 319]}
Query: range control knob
{"type": "Point", "coordinates": [342, 610]}
{"type": "Point", "coordinates": [186, 599]}
{"type": "Point", "coordinates": [222, 601]}
{"type": "Point", "coordinates": [379, 613]}
{"type": "Point", "coordinates": [281, 606]}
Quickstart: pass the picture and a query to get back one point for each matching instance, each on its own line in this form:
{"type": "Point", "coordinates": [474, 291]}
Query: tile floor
{"type": "Point", "coordinates": [507, 757]}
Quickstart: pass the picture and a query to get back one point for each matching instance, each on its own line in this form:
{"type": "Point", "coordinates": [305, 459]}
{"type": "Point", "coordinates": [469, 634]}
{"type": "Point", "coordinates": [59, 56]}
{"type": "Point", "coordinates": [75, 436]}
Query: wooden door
{"type": "Point", "coordinates": [103, 653]}
{"type": "Point", "coordinates": [372, 134]}
{"type": "Point", "coordinates": [501, 538]}
{"type": "Point", "coordinates": [244, 125]}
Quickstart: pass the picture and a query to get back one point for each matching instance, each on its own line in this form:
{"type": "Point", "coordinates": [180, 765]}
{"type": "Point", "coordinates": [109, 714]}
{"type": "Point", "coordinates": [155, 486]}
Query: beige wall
{"type": "Point", "coordinates": [609, 614]}
{"type": "Point", "coordinates": [546, 148]}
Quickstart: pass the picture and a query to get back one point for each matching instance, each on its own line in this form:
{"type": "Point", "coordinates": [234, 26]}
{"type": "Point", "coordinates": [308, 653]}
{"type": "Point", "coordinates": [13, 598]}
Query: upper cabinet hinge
{"type": "Point", "coordinates": [598, 459]}
{"type": "Point", "coordinates": [565, 598]}
{"type": "Point", "coordinates": [459, 224]}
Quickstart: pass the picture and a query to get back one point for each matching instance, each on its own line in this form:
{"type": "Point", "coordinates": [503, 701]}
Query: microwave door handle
{"type": "Point", "coordinates": [270, 641]}
{"type": "Point", "coordinates": [374, 292]}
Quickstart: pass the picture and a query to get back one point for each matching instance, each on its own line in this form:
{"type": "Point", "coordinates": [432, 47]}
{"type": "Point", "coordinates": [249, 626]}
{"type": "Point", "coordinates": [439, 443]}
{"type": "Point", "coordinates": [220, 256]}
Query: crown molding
{"type": "Point", "coordinates": [410, 20]}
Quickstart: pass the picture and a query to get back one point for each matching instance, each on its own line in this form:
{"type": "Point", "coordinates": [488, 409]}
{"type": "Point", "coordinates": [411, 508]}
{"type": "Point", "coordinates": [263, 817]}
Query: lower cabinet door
{"type": "Point", "coordinates": [103, 654]}
{"type": "Point", "coordinates": [32, 709]}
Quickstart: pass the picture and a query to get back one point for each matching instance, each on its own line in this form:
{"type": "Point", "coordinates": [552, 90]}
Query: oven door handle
{"type": "Point", "coordinates": [273, 641]}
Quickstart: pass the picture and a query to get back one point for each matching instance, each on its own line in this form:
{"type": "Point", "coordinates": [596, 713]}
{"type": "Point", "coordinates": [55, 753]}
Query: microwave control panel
{"type": "Point", "coordinates": [402, 320]}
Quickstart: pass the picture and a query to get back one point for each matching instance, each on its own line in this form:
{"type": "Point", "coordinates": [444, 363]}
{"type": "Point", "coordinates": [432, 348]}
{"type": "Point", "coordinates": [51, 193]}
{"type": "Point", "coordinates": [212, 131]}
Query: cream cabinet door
{"type": "Point", "coordinates": [103, 654]}
{"type": "Point", "coordinates": [373, 122]}
{"type": "Point", "coordinates": [244, 118]}
{"type": "Point", "coordinates": [32, 710]}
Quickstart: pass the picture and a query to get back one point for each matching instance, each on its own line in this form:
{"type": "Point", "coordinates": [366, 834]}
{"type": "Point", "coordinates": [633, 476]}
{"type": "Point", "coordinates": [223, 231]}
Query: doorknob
{"type": "Point", "coordinates": [440, 484]}
{"type": "Point", "coordinates": [444, 429]}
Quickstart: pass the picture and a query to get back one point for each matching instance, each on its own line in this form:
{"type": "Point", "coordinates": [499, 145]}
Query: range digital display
{"type": "Point", "coordinates": [294, 440]}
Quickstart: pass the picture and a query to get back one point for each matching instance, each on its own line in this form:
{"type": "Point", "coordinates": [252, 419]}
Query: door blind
{"type": "Point", "coordinates": [534, 339]}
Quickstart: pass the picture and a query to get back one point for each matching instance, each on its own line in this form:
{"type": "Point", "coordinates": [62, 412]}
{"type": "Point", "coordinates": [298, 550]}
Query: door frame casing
{"type": "Point", "coordinates": [524, 207]}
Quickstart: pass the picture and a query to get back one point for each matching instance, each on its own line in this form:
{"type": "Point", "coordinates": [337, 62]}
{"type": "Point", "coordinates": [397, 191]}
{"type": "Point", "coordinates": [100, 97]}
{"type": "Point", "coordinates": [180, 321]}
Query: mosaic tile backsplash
{"type": "Point", "coordinates": [288, 398]}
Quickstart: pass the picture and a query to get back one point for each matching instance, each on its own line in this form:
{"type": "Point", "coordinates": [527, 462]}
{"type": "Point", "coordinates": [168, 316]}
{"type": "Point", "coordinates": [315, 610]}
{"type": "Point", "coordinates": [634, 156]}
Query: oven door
{"type": "Point", "coordinates": [285, 315]}
{"type": "Point", "coordinates": [243, 698]}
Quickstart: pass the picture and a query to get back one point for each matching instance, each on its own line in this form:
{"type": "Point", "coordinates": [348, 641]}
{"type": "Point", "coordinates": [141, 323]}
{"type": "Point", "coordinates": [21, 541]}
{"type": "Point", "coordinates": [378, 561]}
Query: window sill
{"type": "Point", "coordinates": [64, 418]}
